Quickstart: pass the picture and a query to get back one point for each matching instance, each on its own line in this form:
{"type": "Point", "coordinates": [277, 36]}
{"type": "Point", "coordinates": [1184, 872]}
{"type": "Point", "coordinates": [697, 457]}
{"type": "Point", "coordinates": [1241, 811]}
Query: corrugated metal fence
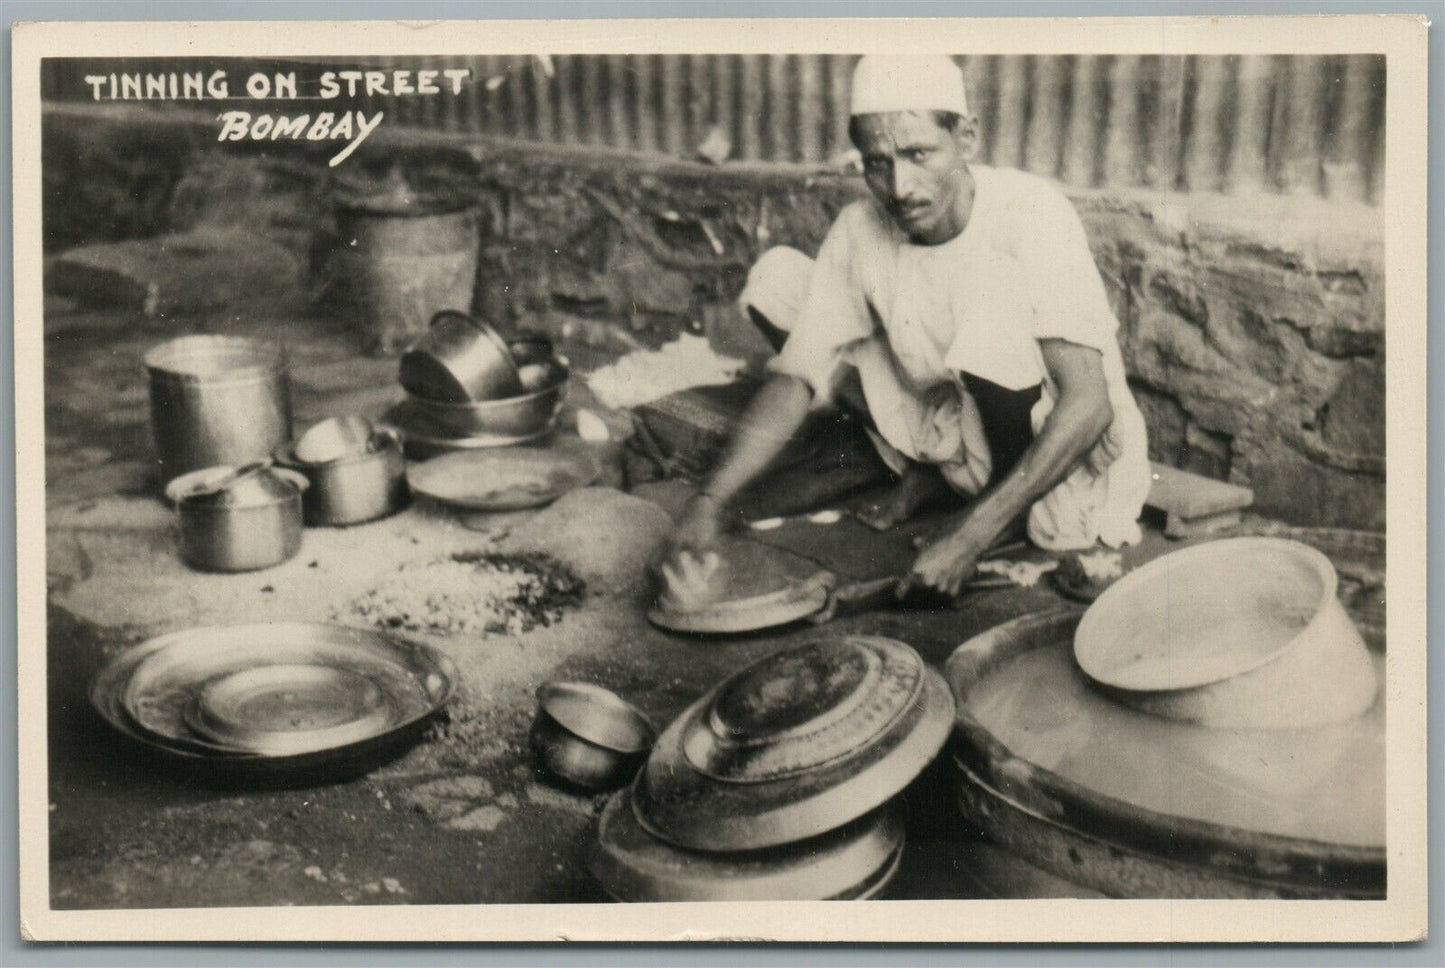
{"type": "Point", "coordinates": [1309, 125]}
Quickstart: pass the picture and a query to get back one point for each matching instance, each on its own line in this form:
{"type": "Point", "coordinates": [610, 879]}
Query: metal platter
{"type": "Point", "coordinates": [154, 692]}
{"type": "Point", "coordinates": [504, 480]}
{"type": "Point", "coordinates": [289, 708]}
{"type": "Point", "coordinates": [852, 863]}
{"type": "Point", "coordinates": [1078, 823]}
{"type": "Point", "coordinates": [798, 744]}
{"type": "Point", "coordinates": [760, 587]}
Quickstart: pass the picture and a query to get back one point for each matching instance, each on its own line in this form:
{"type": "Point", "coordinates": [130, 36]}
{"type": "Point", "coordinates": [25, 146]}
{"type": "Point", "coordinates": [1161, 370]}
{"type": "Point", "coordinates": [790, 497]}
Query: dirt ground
{"type": "Point", "coordinates": [463, 817]}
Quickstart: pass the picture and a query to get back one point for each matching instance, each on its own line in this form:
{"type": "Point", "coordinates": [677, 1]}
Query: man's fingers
{"type": "Point", "coordinates": [905, 586]}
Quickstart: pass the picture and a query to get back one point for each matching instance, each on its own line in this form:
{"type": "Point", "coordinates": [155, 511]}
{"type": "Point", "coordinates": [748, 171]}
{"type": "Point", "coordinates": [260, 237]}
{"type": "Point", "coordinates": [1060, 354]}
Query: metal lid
{"type": "Point", "coordinates": [252, 485]}
{"type": "Point", "coordinates": [803, 708]}
{"type": "Point", "coordinates": [853, 862]}
{"type": "Point", "coordinates": [797, 744]}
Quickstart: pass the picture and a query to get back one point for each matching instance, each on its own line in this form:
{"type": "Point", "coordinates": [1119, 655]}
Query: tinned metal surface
{"type": "Point", "coordinates": [217, 400]}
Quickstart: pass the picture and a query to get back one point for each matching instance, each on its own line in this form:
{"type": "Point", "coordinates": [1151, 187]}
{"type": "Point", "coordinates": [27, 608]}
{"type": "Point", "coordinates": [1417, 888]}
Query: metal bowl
{"type": "Point", "coordinates": [460, 360]}
{"type": "Point", "coordinates": [522, 415]}
{"type": "Point", "coordinates": [334, 438]}
{"type": "Point", "coordinates": [1242, 632]}
{"type": "Point", "coordinates": [589, 736]}
{"type": "Point", "coordinates": [354, 489]}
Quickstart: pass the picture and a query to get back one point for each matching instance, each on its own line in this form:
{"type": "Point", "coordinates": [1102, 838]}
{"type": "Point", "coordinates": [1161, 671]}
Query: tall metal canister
{"type": "Point", "coordinates": [217, 400]}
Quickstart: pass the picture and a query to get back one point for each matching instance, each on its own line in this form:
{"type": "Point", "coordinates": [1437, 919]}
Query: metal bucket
{"type": "Point", "coordinates": [217, 400]}
{"type": "Point", "coordinates": [396, 270]}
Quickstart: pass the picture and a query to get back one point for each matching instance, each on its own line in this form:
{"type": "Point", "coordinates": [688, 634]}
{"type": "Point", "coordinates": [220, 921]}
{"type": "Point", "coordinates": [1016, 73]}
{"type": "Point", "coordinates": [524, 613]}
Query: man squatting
{"type": "Point", "coordinates": [961, 310]}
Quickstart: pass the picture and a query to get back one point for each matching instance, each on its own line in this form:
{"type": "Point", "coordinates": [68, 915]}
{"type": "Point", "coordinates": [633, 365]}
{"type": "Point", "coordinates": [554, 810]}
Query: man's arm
{"type": "Point", "coordinates": [1080, 417]}
{"type": "Point", "coordinates": [767, 424]}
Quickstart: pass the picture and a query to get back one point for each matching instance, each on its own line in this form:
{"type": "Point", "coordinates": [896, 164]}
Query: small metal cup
{"type": "Point", "coordinates": [589, 736]}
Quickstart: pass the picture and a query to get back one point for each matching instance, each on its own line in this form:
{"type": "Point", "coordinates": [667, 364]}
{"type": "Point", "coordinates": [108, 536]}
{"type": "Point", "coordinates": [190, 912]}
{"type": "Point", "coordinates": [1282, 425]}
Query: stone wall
{"type": "Point", "coordinates": [1253, 330]}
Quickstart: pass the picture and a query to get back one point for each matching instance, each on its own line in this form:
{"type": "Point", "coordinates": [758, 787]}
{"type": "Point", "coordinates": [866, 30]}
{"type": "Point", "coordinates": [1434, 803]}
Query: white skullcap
{"type": "Point", "coordinates": [899, 83]}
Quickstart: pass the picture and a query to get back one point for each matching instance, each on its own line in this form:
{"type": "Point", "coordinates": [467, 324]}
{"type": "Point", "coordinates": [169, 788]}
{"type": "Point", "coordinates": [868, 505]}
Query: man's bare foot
{"type": "Point", "coordinates": [919, 485]}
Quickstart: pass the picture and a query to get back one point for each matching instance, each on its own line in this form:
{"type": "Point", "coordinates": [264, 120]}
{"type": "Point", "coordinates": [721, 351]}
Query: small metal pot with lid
{"type": "Point", "coordinates": [364, 485]}
{"type": "Point", "coordinates": [237, 519]}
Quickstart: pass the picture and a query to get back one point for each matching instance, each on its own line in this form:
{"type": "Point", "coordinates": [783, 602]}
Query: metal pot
{"type": "Point", "coordinates": [217, 400]}
{"type": "Point", "coordinates": [459, 360]}
{"type": "Point", "coordinates": [356, 488]}
{"type": "Point", "coordinates": [518, 416]}
{"type": "Point", "coordinates": [231, 519]}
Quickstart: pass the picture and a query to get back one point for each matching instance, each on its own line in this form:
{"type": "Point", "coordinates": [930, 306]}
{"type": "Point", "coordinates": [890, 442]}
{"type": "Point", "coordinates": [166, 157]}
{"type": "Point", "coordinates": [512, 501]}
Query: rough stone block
{"type": "Point", "coordinates": [644, 286]}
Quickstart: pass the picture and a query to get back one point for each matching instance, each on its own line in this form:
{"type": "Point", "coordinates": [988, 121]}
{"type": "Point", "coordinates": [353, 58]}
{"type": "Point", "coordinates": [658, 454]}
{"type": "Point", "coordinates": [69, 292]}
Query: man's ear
{"type": "Point", "coordinates": [966, 135]}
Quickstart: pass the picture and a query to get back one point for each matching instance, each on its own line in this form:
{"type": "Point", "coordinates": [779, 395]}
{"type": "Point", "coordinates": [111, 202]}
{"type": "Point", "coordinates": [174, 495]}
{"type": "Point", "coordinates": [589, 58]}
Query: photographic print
{"type": "Point", "coordinates": [685, 480]}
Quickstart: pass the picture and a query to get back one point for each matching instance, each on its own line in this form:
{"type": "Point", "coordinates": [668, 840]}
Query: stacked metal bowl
{"type": "Point", "coordinates": [467, 387]}
{"type": "Point", "coordinates": [274, 701]}
{"type": "Point", "coordinates": [782, 783]}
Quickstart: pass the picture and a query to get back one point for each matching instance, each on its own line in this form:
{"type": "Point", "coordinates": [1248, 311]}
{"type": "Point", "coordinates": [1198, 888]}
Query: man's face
{"type": "Point", "coordinates": [916, 168]}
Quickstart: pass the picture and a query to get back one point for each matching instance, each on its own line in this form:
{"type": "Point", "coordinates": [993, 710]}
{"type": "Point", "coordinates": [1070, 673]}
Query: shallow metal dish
{"type": "Point", "coordinates": [852, 863]}
{"type": "Point", "coordinates": [278, 710]}
{"type": "Point", "coordinates": [432, 674]}
{"type": "Point", "coordinates": [424, 440]}
{"type": "Point", "coordinates": [796, 745]}
{"type": "Point", "coordinates": [503, 480]}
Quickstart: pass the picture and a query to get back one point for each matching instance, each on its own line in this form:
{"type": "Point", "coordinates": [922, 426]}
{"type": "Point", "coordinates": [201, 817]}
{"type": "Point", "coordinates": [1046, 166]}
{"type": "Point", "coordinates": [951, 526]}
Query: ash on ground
{"type": "Point", "coordinates": [470, 593]}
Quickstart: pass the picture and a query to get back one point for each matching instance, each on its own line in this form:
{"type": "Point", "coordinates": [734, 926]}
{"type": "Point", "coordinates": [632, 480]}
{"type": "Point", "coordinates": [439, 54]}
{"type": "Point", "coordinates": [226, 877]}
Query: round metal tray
{"type": "Point", "coordinates": [424, 677]}
{"type": "Point", "coordinates": [794, 746]}
{"type": "Point", "coordinates": [506, 480]}
{"type": "Point", "coordinates": [851, 863]}
{"type": "Point", "coordinates": [289, 708]}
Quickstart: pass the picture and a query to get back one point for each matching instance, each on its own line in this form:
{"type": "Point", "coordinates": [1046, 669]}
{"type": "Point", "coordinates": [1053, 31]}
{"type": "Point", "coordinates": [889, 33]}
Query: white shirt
{"type": "Point", "coordinates": [1020, 272]}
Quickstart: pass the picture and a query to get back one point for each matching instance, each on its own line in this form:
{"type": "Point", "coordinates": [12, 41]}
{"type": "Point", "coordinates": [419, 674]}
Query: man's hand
{"type": "Point", "coordinates": [947, 564]}
{"type": "Point", "coordinates": [689, 563]}
{"type": "Point", "coordinates": [697, 532]}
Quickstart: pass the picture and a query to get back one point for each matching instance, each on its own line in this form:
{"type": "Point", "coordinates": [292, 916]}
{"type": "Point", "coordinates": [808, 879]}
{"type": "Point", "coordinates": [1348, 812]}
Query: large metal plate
{"type": "Point", "coordinates": [803, 788]}
{"type": "Point", "coordinates": [502, 480]}
{"type": "Point", "coordinates": [853, 862]}
{"type": "Point", "coordinates": [432, 675]}
{"type": "Point", "coordinates": [290, 708]}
